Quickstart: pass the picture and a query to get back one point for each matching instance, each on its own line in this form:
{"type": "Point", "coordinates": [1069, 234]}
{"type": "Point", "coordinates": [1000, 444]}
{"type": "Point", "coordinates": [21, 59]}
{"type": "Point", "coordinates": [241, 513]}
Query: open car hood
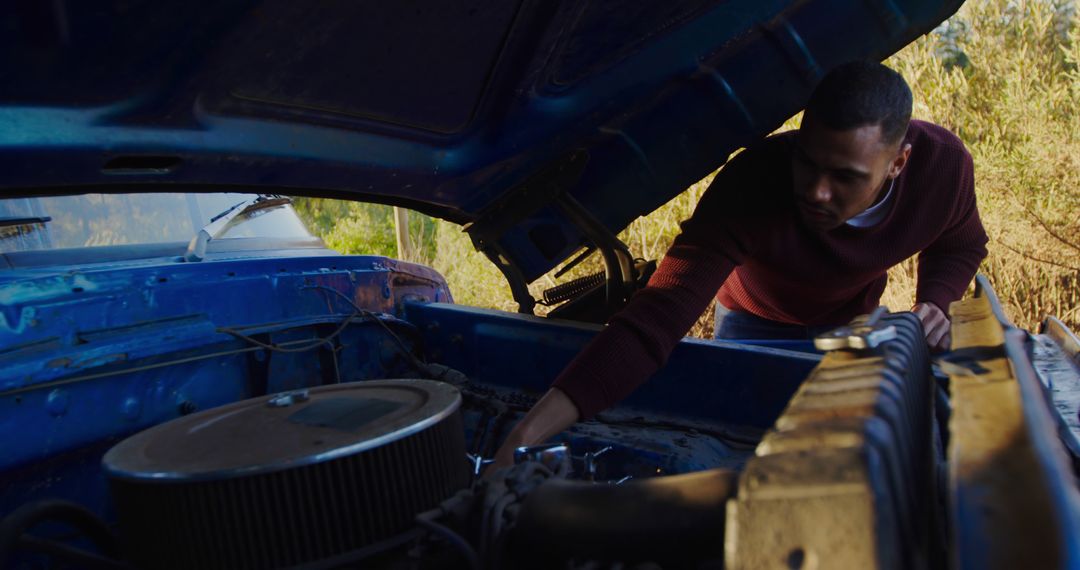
{"type": "Point", "coordinates": [480, 112]}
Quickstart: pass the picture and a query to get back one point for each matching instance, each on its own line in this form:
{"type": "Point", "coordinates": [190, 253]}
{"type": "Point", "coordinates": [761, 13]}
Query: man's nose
{"type": "Point", "coordinates": [820, 192]}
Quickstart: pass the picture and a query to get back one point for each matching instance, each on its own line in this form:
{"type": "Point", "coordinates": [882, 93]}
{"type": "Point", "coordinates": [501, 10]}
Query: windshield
{"type": "Point", "coordinates": [92, 220]}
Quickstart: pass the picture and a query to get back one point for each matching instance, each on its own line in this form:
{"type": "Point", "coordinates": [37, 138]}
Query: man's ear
{"type": "Point", "coordinates": [900, 161]}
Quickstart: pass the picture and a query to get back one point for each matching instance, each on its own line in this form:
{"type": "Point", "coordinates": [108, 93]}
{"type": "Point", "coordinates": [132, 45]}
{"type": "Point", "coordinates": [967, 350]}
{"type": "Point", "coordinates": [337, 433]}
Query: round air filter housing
{"type": "Point", "coordinates": [289, 479]}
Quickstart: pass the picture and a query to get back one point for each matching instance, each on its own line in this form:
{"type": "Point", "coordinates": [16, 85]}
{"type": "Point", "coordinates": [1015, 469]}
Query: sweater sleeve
{"type": "Point", "coordinates": [948, 264]}
{"type": "Point", "coordinates": [638, 339]}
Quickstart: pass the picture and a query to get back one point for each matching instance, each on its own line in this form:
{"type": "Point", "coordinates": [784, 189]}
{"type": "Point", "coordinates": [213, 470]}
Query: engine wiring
{"type": "Point", "coordinates": [358, 312]}
{"type": "Point", "coordinates": [358, 316]}
{"type": "Point", "coordinates": [428, 522]}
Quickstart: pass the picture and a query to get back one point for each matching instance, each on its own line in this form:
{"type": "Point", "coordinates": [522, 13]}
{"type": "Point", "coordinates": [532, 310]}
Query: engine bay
{"type": "Point", "coordinates": [62, 506]}
{"type": "Point", "coordinates": [169, 516]}
{"type": "Point", "coordinates": [733, 455]}
{"type": "Point", "coordinates": [622, 448]}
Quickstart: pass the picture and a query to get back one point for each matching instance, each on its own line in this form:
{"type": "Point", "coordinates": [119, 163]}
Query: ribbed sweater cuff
{"type": "Point", "coordinates": [939, 295]}
{"type": "Point", "coordinates": [586, 396]}
{"type": "Point", "coordinates": [580, 395]}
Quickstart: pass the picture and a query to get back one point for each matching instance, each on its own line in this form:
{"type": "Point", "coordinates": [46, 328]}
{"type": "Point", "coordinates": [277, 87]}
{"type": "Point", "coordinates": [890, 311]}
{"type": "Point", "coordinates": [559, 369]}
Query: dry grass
{"type": "Point", "coordinates": [1007, 84]}
{"type": "Point", "coordinates": [1002, 74]}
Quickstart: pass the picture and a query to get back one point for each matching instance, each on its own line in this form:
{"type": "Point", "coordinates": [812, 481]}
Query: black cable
{"type": "Point", "coordinates": [313, 343]}
{"type": "Point", "coordinates": [358, 312]}
{"type": "Point", "coordinates": [29, 515]}
{"type": "Point", "coordinates": [350, 558]}
{"type": "Point", "coordinates": [452, 537]}
{"type": "Point", "coordinates": [99, 375]}
{"type": "Point", "coordinates": [370, 315]}
{"type": "Point", "coordinates": [498, 424]}
{"type": "Point", "coordinates": [493, 494]}
{"type": "Point", "coordinates": [481, 434]}
{"type": "Point", "coordinates": [417, 363]}
{"type": "Point", "coordinates": [495, 557]}
{"type": "Point", "coordinates": [492, 412]}
{"type": "Point", "coordinates": [495, 523]}
{"type": "Point", "coordinates": [70, 554]}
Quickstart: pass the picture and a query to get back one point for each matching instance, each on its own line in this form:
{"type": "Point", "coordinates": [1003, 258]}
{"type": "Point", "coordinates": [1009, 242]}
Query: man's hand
{"type": "Point", "coordinates": [935, 324]}
{"type": "Point", "coordinates": [552, 414]}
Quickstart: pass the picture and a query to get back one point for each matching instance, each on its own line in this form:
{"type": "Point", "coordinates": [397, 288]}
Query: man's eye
{"type": "Point", "coordinates": [803, 161]}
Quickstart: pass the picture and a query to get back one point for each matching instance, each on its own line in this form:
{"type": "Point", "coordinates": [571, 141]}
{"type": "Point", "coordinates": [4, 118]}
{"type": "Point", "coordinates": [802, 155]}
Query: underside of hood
{"type": "Point", "coordinates": [538, 123]}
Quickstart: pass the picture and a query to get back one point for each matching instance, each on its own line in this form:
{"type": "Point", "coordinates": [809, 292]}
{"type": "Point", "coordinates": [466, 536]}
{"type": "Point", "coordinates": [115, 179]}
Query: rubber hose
{"type": "Point", "coordinates": [30, 515]}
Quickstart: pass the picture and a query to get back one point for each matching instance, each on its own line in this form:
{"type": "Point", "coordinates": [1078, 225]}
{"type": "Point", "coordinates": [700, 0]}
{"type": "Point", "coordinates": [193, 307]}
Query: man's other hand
{"type": "Point", "coordinates": [935, 324]}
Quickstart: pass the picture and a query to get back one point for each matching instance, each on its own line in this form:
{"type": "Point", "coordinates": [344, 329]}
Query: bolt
{"type": "Point", "coordinates": [131, 408]}
{"type": "Point", "coordinates": [57, 402]}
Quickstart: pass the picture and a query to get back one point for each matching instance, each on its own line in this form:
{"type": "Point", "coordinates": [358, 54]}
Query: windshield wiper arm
{"type": "Point", "coordinates": [230, 218]}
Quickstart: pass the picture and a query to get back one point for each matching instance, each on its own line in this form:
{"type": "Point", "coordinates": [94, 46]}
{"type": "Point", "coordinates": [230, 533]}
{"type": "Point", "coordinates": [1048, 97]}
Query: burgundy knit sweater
{"type": "Point", "coordinates": [746, 245]}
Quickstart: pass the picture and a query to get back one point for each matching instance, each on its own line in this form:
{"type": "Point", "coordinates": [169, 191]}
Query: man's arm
{"type": "Point", "coordinates": [638, 339]}
{"type": "Point", "coordinates": [635, 344]}
{"type": "Point", "coordinates": [947, 266]}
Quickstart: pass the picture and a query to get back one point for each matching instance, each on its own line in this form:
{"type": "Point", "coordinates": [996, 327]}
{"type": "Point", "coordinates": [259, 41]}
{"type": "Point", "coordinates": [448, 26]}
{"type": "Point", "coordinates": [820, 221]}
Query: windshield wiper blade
{"type": "Point", "coordinates": [229, 219]}
{"type": "Point", "coordinates": [5, 222]}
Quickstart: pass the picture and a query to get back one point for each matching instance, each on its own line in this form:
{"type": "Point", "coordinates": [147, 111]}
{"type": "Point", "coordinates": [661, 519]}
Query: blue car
{"type": "Point", "coordinates": [191, 379]}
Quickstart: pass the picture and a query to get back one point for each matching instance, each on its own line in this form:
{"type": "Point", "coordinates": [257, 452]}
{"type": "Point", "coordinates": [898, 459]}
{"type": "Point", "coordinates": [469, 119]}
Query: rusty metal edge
{"type": "Point", "coordinates": [1039, 419]}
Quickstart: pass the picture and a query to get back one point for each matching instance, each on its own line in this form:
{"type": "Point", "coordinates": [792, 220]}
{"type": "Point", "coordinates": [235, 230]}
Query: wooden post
{"type": "Point", "coordinates": [401, 230]}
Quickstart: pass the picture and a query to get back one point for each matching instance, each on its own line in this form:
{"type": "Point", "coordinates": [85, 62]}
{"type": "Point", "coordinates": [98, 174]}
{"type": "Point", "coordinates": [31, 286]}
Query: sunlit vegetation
{"type": "Point", "coordinates": [1002, 74]}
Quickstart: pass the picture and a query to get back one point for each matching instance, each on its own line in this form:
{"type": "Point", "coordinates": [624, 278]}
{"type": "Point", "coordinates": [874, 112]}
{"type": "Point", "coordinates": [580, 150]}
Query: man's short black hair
{"type": "Point", "coordinates": [863, 93]}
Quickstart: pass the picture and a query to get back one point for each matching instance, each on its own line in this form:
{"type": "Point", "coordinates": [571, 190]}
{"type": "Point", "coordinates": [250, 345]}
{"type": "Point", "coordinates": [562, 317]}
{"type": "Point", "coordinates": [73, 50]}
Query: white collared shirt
{"type": "Point", "coordinates": [874, 214]}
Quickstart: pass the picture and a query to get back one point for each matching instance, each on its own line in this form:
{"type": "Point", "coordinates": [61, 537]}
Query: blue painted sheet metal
{"type": "Point", "coordinates": [53, 436]}
{"type": "Point", "coordinates": [84, 352]}
{"type": "Point", "coordinates": [796, 345]}
{"type": "Point", "coordinates": [445, 107]}
{"type": "Point", "coordinates": [711, 381]}
{"type": "Point", "coordinates": [83, 386]}
{"type": "Point", "coordinates": [89, 355]}
{"type": "Point", "coordinates": [75, 306]}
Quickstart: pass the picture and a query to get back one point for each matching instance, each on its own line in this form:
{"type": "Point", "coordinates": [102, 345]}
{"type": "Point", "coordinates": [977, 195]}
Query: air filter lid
{"type": "Point", "coordinates": [282, 431]}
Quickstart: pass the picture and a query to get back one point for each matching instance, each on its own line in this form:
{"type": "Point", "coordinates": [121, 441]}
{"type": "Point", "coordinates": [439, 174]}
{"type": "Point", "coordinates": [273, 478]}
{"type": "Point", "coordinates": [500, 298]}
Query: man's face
{"type": "Point", "coordinates": [839, 174]}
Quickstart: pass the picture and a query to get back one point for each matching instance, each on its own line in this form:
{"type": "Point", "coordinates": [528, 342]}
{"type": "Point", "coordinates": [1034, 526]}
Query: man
{"type": "Point", "coordinates": [795, 235]}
